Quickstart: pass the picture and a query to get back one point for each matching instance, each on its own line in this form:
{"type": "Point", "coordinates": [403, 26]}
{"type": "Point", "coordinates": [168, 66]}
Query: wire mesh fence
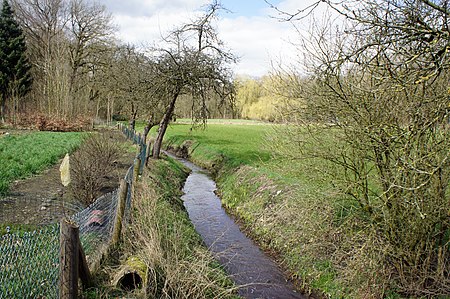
{"type": "Point", "coordinates": [29, 262]}
{"type": "Point", "coordinates": [96, 224]}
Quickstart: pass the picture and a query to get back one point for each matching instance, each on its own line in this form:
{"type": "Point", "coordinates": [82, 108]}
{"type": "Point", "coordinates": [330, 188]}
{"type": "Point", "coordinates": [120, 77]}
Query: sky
{"type": "Point", "coordinates": [249, 29]}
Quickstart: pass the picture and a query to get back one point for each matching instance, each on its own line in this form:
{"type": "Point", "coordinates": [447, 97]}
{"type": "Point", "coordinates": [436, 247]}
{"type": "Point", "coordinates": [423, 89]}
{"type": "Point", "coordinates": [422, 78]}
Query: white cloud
{"type": "Point", "coordinates": [148, 8]}
{"type": "Point", "coordinates": [256, 39]}
{"type": "Point", "coordinates": [144, 22]}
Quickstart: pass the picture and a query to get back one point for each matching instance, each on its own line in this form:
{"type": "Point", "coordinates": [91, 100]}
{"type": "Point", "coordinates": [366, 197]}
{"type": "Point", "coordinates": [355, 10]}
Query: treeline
{"type": "Point", "coordinates": [66, 46]}
{"type": "Point", "coordinates": [81, 71]}
{"type": "Point", "coordinates": [268, 97]}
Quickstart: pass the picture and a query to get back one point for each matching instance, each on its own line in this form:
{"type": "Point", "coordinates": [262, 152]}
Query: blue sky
{"type": "Point", "coordinates": [247, 7]}
{"type": "Point", "coordinates": [249, 31]}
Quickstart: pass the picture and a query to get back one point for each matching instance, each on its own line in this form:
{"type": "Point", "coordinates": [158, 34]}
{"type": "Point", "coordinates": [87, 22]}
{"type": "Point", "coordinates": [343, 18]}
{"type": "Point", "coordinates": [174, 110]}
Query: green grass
{"type": "Point", "coordinates": [25, 154]}
{"type": "Point", "coordinates": [286, 205]}
{"type": "Point", "coordinates": [18, 229]}
{"type": "Point", "coordinates": [238, 143]}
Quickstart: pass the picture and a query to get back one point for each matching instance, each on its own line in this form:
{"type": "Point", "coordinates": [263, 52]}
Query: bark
{"type": "Point", "coordinates": [3, 109]}
{"type": "Point", "coordinates": [148, 127]}
{"type": "Point", "coordinates": [163, 126]}
{"type": "Point", "coordinates": [133, 117]}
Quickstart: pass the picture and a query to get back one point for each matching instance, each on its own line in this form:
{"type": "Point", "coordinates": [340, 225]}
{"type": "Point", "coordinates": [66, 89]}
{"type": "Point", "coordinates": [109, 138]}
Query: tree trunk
{"type": "Point", "coordinates": [3, 109]}
{"type": "Point", "coordinates": [163, 126]}
{"type": "Point", "coordinates": [133, 117]}
{"type": "Point", "coordinates": [148, 127]}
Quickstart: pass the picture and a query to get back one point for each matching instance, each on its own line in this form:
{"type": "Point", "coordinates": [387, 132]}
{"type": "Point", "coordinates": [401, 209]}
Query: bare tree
{"type": "Point", "coordinates": [67, 41]}
{"type": "Point", "coordinates": [90, 30]}
{"type": "Point", "coordinates": [194, 64]}
{"type": "Point", "coordinates": [44, 23]}
{"type": "Point", "coordinates": [383, 81]}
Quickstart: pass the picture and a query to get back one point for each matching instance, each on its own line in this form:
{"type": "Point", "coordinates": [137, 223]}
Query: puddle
{"type": "Point", "coordinates": [250, 268]}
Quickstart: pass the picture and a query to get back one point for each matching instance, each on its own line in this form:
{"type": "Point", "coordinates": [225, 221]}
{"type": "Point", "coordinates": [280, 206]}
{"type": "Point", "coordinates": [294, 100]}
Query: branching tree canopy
{"type": "Point", "coordinates": [195, 62]}
{"type": "Point", "coordinates": [382, 81]}
{"type": "Point", "coordinates": [15, 76]}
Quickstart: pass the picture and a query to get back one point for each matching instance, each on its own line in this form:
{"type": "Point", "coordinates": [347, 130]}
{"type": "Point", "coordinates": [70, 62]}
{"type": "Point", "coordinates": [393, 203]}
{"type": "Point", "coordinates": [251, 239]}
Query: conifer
{"type": "Point", "coordinates": [15, 68]}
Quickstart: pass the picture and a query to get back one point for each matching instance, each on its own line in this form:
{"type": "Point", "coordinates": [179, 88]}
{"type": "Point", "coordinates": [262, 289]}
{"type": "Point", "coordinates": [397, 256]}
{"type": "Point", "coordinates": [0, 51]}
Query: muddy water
{"type": "Point", "coordinates": [256, 274]}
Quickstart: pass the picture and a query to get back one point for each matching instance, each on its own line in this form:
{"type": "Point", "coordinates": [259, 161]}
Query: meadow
{"type": "Point", "coordinates": [25, 154]}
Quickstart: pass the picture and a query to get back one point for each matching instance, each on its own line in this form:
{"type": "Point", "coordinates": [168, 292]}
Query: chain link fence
{"type": "Point", "coordinates": [29, 262]}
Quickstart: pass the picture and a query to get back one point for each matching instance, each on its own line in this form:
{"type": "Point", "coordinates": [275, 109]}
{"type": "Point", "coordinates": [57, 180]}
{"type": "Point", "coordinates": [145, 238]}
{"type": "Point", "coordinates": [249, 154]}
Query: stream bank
{"type": "Point", "coordinates": [250, 268]}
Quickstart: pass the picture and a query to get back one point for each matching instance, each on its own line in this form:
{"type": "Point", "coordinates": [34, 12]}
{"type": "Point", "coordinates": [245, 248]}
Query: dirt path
{"type": "Point", "coordinates": [42, 199]}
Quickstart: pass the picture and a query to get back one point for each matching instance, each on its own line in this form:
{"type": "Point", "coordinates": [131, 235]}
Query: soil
{"type": "Point", "coordinates": [42, 199]}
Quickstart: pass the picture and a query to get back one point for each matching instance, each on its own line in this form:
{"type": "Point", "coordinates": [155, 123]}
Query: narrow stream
{"type": "Point", "coordinates": [250, 268]}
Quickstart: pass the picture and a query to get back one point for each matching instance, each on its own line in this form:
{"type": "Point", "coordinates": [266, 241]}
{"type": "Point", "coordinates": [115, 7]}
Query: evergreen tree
{"type": "Point", "coordinates": [15, 69]}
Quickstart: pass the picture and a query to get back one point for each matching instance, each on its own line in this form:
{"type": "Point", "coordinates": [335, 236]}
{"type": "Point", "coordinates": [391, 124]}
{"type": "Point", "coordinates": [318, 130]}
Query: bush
{"type": "Point", "coordinates": [92, 165]}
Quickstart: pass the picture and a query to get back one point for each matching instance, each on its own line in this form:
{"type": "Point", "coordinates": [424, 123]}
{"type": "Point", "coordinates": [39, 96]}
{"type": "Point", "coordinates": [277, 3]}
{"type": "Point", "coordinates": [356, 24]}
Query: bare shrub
{"type": "Point", "coordinates": [92, 165]}
{"type": "Point", "coordinates": [378, 94]}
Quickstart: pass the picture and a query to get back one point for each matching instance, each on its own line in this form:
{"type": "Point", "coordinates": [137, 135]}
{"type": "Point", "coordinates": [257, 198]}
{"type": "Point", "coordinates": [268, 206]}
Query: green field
{"type": "Point", "coordinates": [24, 154]}
{"type": "Point", "coordinates": [240, 144]}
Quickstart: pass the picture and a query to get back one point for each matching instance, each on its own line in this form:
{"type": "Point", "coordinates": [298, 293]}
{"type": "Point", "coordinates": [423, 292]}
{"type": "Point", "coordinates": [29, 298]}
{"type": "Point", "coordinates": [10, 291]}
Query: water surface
{"type": "Point", "coordinates": [250, 268]}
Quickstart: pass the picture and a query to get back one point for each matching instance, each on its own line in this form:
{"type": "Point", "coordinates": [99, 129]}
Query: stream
{"type": "Point", "coordinates": [251, 269]}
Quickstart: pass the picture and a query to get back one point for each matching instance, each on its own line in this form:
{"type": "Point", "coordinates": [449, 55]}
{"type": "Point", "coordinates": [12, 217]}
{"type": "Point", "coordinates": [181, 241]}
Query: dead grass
{"type": "Point", "coordinates": [163, 239]}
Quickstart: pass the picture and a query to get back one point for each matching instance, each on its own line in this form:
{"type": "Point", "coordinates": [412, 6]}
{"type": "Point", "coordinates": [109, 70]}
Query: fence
{"type": "Point", "coordinates": [30, 264]}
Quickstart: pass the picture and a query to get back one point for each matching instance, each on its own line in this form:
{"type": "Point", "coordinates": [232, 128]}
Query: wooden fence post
{"type": "Point", "coordinates": [123, 192]}
{"type": "Point", "coordinates": [148, 151]}
{"type": "Point", "coordinates": [136, 170]}
{"type": "Point", "coordinates": [72, 261]}
{"type": "Point", "coordinates": [68, 260]}
{"type": "Point", "coordinates": [83, 268]}
{"type": "Point", "coordinates": [142, 153]}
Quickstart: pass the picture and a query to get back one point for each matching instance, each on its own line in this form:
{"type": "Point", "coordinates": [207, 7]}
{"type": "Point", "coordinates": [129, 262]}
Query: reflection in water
{"type": "Point", "coordinates": [250, 268]}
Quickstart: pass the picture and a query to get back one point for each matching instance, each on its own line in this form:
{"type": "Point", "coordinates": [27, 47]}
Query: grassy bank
{"type": "Point", "coordinates": [289, 207]}
{"type": "Point", "coordinates": [24, 154]}
{"type": "Point", "coordinates": [163, 240]}
{"type": "Point", "coordinates": [305, 210]}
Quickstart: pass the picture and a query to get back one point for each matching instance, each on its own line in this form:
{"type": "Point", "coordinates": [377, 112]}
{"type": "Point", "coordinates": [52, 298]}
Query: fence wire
{"type": "Point", "coordinates": [96, 224]}
{"type": "Point", "coordinates": [29, 262]}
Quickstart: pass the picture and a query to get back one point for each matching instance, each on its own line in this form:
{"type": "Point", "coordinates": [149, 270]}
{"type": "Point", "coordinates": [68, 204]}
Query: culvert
{"type": "Point", "coordinates": [132, 275]}
{"type": "Point", "coordinates": [130, 281]}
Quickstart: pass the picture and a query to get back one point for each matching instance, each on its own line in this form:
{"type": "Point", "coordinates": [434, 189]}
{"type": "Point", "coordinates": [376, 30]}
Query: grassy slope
{"type": "Point", "coordinates": [163, 239]}
{"type": "Point", "coordinates": [22, 155]}
{"type": "Point", "coordinates": [285, 205]}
